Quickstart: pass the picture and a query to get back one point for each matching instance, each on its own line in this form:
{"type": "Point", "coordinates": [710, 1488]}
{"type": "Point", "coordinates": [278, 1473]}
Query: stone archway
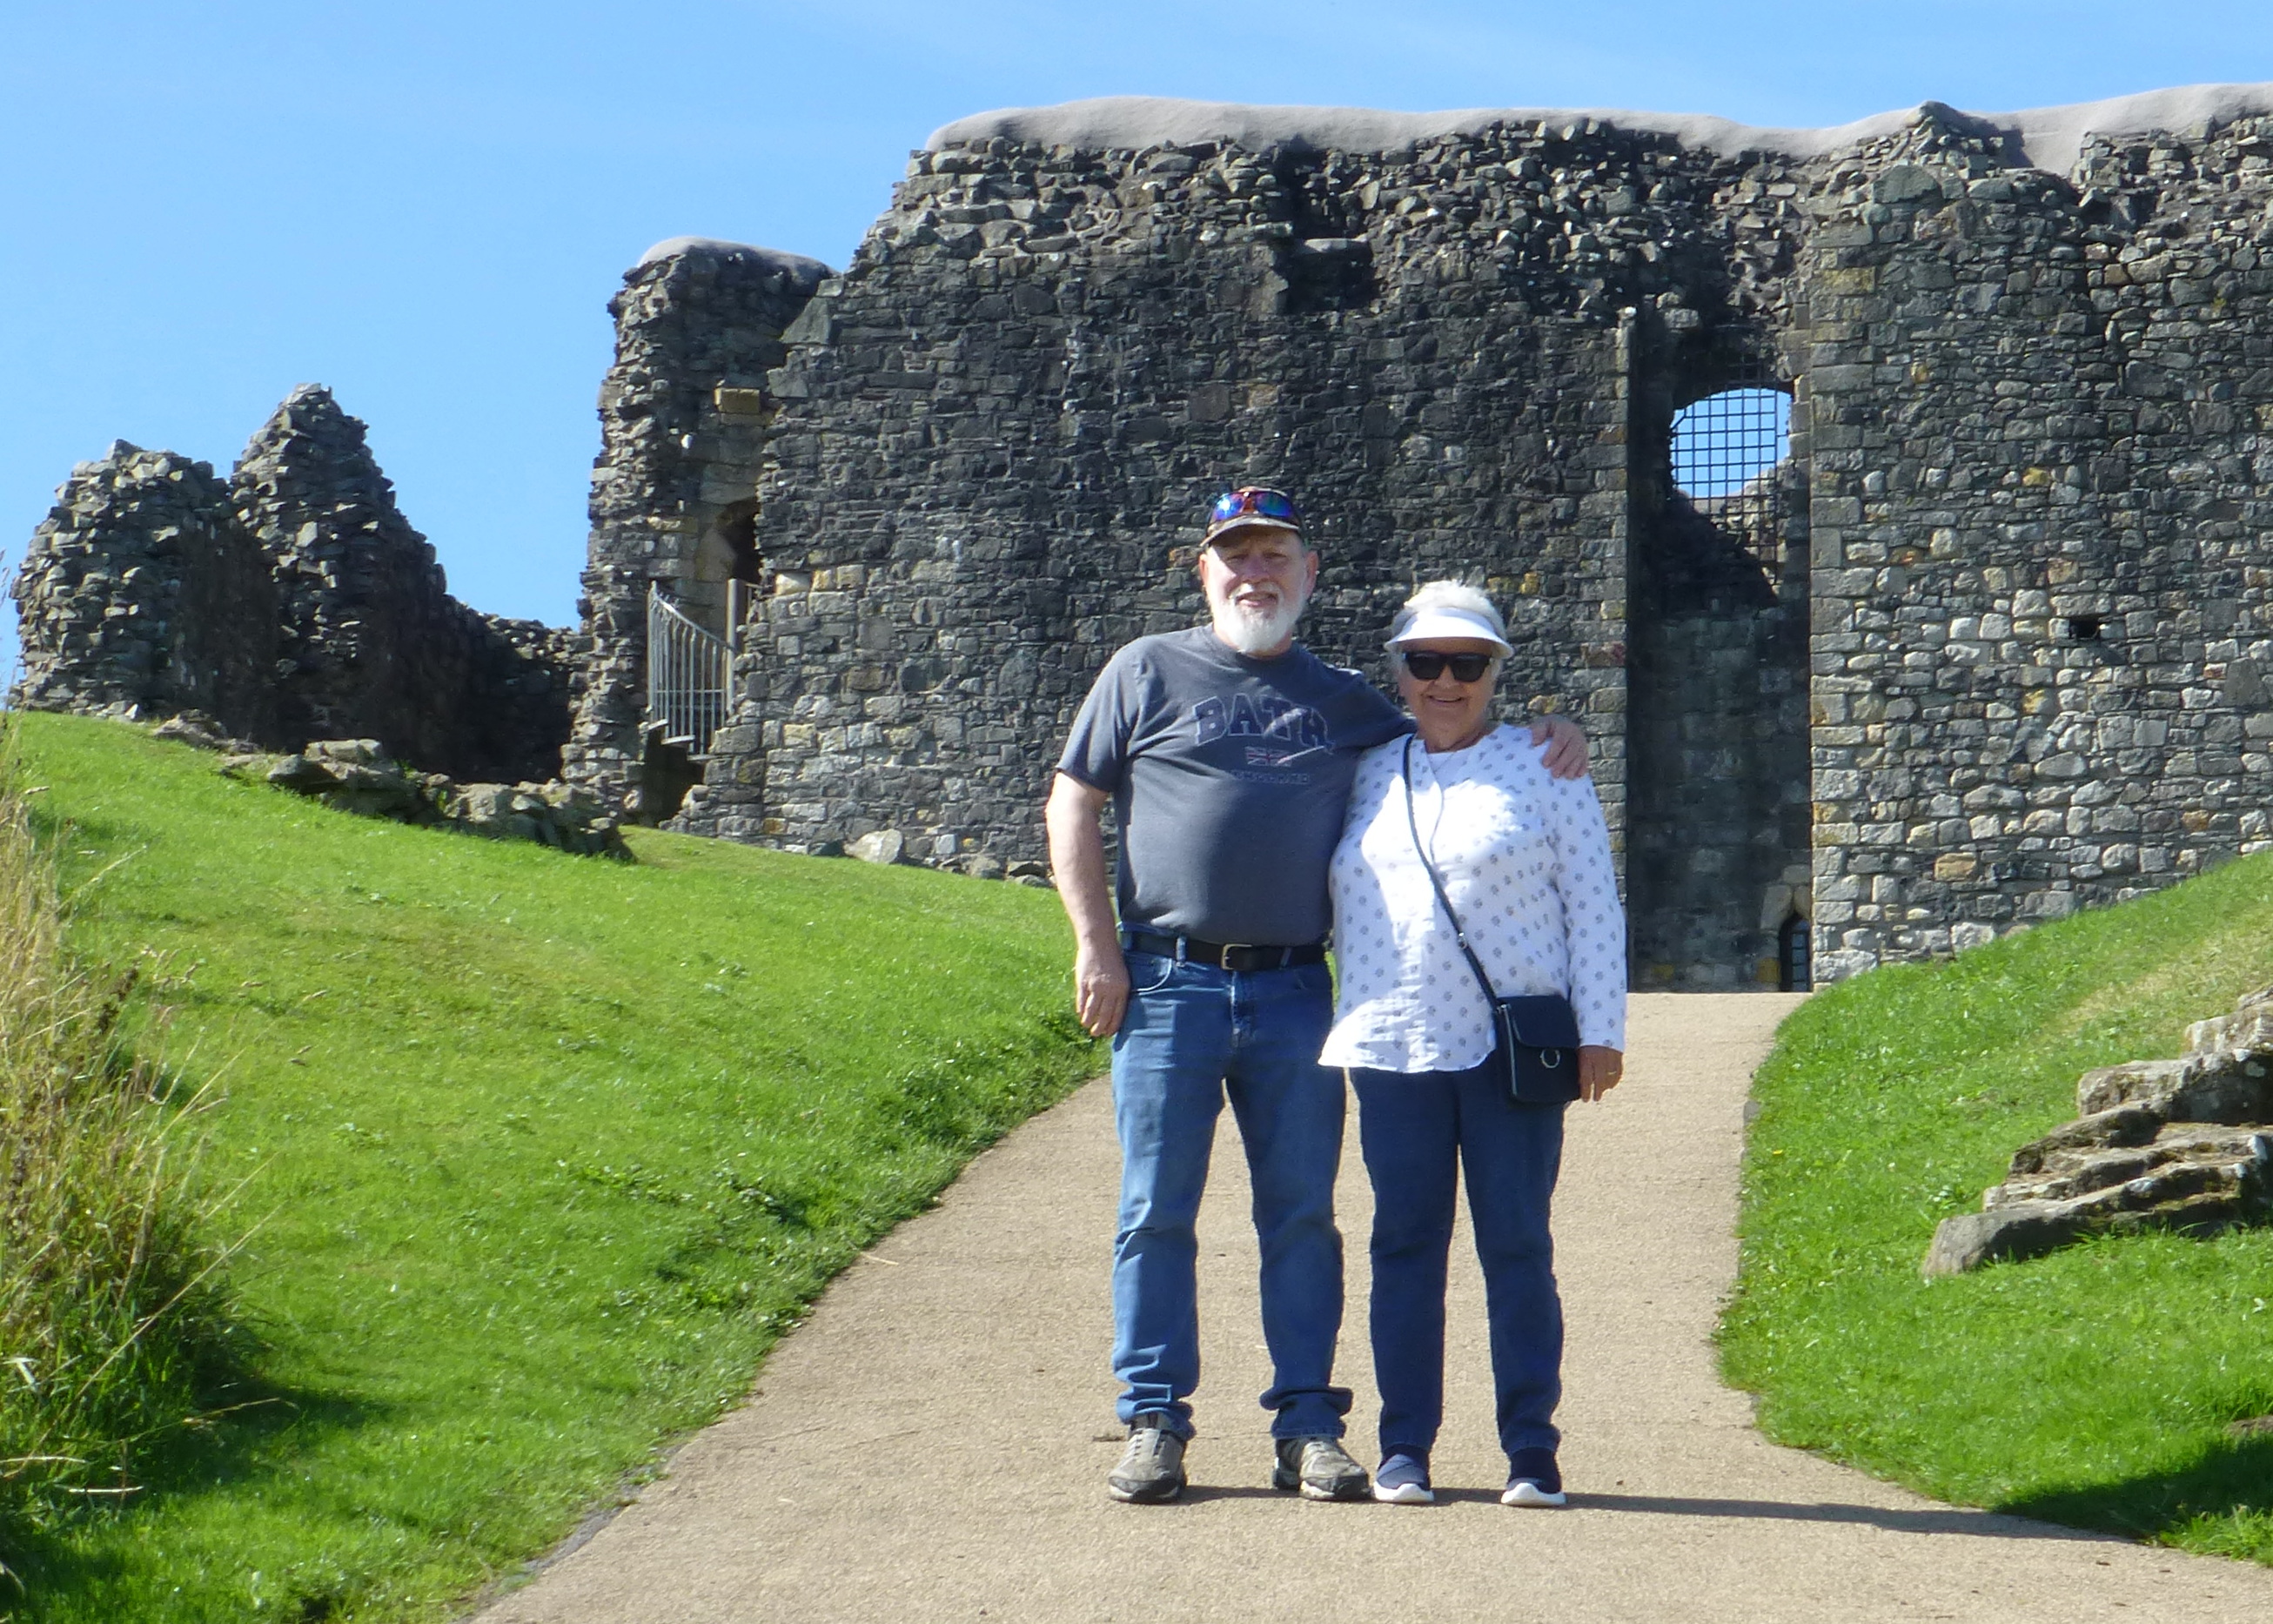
{"type": "Point", "coordinates": [1717, 745]}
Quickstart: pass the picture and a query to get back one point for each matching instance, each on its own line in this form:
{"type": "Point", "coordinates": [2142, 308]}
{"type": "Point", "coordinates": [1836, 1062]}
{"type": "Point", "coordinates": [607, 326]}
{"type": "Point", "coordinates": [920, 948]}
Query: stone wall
{"type": "Point", "coordinates": [2008, 653]}
{"type": "Point", "coordinates": [1001, 424]}
{"type": "Point", "coordinates": [2006, 658]}
{"type": "Point", "coordinates": [142, 594]}
{"type": "Point", "coordinates": [1718, 854]}
{"type": "Point", "coordinates": [675, 489]}
{"type": "Point", "coordinates": [2040, 411]}
{"type": "Point", "coordinates": [294, 603]}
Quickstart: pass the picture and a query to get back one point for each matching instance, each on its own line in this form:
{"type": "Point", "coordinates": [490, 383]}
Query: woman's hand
{"type": "Point", "coordinates": [1599, 1070]}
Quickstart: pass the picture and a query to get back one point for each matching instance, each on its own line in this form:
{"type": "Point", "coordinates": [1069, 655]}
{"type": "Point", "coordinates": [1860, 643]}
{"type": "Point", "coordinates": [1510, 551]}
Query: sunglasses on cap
{"type": "Point", "coordinates": [1427, 664]}
{"type": "Point", "coordinates": [1261, 502]}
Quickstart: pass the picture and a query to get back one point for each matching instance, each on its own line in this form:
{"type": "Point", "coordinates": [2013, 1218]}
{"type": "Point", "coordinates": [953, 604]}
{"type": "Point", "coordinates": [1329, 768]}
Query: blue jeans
{"type": "Point", "coordinates": [1413, 1127]}
{"type": "Point", "coordinates": [1193, 1036]}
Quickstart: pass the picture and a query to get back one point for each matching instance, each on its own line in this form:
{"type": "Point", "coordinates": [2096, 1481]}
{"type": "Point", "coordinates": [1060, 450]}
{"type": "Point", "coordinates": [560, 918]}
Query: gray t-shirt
{"type": "Point", "coordinates": [1229, 776]}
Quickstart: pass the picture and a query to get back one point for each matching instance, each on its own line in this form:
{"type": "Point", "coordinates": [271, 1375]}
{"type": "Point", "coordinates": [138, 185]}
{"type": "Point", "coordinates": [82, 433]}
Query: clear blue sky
{"type": "Point", "coordinates": [426, 206]}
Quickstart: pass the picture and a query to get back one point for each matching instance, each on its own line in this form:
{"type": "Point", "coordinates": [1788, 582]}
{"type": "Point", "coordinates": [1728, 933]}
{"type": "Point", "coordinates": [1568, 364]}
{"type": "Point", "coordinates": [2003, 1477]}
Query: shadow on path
{"type": "Point", "coordinates": [1927, 1520]}
{"type": "Point", "coordinates": [2224, 1480]}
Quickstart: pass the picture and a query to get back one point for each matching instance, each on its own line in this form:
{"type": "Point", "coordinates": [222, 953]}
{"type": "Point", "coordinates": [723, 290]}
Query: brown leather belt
{"type": "Point", "coordinates": [1239, 957]}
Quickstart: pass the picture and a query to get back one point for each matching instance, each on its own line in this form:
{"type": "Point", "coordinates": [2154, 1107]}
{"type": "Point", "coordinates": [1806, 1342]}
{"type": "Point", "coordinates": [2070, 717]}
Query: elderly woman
{"type": "Point", "coordinates": [1522, 867]}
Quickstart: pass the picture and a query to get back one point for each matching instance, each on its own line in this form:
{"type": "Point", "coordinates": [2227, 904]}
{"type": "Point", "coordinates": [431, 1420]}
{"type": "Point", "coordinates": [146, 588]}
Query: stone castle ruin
{"type": "Point", "coordinates": [1886, 501]}
{"type": "Point", "coordinates": [292, 602]}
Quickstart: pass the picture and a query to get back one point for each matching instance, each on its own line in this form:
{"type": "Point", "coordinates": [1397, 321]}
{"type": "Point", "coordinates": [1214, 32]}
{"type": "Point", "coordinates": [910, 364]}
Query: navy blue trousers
{"type": "Point", "coordinates": [1417, 1129]}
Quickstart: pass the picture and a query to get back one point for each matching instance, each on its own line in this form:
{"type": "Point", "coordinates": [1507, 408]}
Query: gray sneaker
{"type": "Point", "coordinates": [1320, 1467]}
{"type": "Point", "coordinates": [1151, 1468]}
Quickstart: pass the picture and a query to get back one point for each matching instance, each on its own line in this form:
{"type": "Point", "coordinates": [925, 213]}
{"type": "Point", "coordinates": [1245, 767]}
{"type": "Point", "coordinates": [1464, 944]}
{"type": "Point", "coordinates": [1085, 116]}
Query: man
{"type": "Point", "coordinates": [1226, 753]}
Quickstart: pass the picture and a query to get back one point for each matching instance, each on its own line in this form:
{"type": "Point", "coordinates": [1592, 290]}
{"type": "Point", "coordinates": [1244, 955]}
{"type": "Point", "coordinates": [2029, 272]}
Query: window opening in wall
{"type": "Point", "coordinates": [1726, 452]}
{"type": "Point", "coordinates": [2085, 627]}
{"type": "Point", "coordinates": [1793, 971]}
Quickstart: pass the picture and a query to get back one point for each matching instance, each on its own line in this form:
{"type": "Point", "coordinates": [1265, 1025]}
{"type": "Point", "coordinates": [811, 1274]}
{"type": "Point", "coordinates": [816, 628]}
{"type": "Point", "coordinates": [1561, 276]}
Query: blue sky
{"type": "Point", "coordinates": [426, 206]}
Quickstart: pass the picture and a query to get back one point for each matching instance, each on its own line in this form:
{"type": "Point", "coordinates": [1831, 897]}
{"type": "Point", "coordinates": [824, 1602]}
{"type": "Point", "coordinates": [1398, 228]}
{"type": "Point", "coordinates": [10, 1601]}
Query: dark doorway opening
{"type": "Point", "coordinates": [666, 772]}
{"type": "Point", "coordinates": [1717, 742]}
{"type": "Point", "coordinates": [1794, 967]}
{"type": "Point", "coordinates": [727, 570]}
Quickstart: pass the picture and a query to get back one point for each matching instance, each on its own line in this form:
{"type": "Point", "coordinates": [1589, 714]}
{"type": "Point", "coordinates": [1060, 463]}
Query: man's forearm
{"type": "Point", "coordinates": [1077, 863]}
{"type": "Point", "coordinates": [1100, 976]}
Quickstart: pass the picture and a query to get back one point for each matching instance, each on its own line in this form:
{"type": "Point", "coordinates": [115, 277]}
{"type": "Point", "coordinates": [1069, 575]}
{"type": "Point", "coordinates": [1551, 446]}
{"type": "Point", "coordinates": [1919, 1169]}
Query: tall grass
{"type": "Point", "coordinates": [112, 1314]}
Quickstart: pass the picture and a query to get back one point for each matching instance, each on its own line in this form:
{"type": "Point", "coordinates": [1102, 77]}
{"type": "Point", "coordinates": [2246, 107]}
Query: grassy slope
{"type": "Point", "coordinates": [2092, 1386]}
{"type": "Point", "coordinates": [549, 1150]}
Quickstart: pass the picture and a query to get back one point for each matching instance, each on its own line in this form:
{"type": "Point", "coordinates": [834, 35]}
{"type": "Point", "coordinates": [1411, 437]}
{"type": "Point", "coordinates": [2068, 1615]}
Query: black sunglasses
{"type": "Point", "coordinates": [1427, 664]}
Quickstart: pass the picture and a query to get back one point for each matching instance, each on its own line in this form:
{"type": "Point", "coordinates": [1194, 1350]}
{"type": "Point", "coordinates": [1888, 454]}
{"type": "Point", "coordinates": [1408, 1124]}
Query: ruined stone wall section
{"type": "Point", "coordinates": [683, 413]}
{"type": "Point", "coordinates": [293, 603]}
{"type": "Point", "coordinates": [142, 595]}
{"type": "Point", "coordinates": [2042, 414]}
{"type": "Point", "coordinates": [527, 680]}
{"type": "Point", "coordinates": [998, 427]}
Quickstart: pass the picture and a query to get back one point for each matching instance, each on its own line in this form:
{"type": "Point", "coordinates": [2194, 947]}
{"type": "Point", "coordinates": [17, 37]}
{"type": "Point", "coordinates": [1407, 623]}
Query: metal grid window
{"type": "Point", "coordinates": [1726, 448]}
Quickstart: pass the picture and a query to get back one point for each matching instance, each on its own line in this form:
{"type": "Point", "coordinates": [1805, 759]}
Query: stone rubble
{"type": "Point", "coordinates": [358, 776]}
{"type": "Point", "coordinates": [2184, 1145]}
{"type": "Point", "coordinates": [878, 845]}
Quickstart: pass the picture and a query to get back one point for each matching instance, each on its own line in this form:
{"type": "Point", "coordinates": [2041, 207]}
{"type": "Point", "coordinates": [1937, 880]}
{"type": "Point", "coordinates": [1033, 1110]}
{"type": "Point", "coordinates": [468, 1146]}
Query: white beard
{"type": "Point", "coordinates": [1258, 631]}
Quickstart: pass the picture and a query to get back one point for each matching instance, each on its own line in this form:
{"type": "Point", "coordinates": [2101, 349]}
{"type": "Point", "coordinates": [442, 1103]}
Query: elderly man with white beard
{"type": "Point", "coordinates": [1226, 753]}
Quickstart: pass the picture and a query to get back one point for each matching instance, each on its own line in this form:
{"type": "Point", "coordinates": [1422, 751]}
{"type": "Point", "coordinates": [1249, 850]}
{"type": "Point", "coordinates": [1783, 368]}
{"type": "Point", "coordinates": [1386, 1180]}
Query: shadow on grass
{"type": "Point", "coordinates": [254, 1432]}
{"type": "Point", "coordinates": [2230, 1480]}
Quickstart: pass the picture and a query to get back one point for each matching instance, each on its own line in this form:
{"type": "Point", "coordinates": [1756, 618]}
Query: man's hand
{"type": "Point", "coordinates": [1100, 989]}
{"type": "Point", "coordinates": [1566, 745]}
{"type": "Point", "coordinates": [1599, 1070]}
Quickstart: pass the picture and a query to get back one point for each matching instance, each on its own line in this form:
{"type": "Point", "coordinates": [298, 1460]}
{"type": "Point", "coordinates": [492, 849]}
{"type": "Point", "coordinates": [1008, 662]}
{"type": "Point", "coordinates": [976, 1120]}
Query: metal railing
{"type": "Point", "coordinates": [687, 668]}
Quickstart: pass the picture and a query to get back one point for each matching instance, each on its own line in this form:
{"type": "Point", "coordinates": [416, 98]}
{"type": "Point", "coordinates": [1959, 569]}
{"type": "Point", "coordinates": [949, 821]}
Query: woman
{"type": "Point", "coordinates": [1525, 862]}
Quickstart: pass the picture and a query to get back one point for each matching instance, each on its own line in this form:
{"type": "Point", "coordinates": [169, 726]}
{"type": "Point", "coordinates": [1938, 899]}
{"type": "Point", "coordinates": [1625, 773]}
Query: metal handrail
{"type": "Point", "coordinates": [687, 669]}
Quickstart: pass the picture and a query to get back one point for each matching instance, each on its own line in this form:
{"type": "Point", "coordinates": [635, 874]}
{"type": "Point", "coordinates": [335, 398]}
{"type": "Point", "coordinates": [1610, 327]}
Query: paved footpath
{"type": "Point", "coordinates": [932, 1444]}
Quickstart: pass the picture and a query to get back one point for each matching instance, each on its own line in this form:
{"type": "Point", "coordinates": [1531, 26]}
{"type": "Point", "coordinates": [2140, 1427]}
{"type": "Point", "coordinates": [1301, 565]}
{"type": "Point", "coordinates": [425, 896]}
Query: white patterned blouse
{"type": "Point", "coordinates": [1525, 858]}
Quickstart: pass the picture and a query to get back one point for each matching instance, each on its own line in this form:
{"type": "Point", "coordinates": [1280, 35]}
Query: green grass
{"type": "Point", "coordinates": [546, 1152]}
{"type": "Point", "coordinates": [112, 1321]}
{"type": "Point", "coordinates": [2093, 1387]}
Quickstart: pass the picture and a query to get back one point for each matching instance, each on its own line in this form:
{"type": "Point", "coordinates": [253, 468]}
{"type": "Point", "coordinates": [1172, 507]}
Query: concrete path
{"type": "Point", "coordinates": [932, 1444]}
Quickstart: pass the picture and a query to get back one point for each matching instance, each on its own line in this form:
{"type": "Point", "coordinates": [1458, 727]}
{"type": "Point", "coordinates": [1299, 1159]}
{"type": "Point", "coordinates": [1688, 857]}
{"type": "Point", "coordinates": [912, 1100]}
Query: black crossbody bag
{"type": "Point", "coordinates": [1535, 1040]}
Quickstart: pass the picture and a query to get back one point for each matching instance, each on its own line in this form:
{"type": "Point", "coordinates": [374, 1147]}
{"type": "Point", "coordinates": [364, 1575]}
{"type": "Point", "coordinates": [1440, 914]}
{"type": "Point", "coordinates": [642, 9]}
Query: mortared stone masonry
{"type": "Point", "coordinates": [2005, 653]}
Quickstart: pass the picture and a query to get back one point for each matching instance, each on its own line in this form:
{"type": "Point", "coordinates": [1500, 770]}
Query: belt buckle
{"type": "Point", "coordinates": [1224, 953]}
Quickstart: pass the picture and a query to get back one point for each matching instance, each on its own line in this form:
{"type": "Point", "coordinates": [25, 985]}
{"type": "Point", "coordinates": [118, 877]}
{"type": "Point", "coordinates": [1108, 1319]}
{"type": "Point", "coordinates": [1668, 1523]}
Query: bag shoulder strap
{"type": "Point", "coordinates": [1413, 822]}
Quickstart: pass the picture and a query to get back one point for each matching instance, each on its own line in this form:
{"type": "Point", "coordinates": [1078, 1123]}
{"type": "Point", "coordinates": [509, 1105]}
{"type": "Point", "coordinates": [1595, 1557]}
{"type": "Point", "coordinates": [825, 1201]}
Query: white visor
{"type": "Point", "coordinates": [1445, 620]}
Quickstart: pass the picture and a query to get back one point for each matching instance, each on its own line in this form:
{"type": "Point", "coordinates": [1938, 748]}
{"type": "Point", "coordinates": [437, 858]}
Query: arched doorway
{"type": "Point", "coordinates": [1717, 676]}
{"type": "Point", "coordinates": [725, 571]}
{"type": "Point", "coordinates": [1795, 969]}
